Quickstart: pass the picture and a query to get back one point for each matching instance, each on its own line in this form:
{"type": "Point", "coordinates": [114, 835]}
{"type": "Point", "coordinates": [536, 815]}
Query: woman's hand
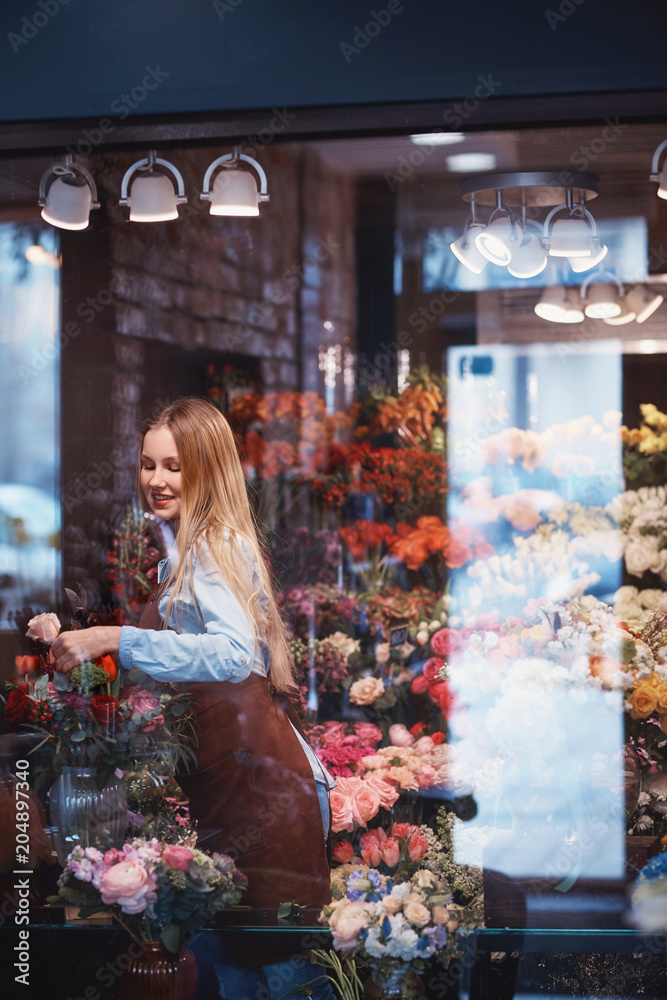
{"type": "Point", "coordinates": [72, 648]}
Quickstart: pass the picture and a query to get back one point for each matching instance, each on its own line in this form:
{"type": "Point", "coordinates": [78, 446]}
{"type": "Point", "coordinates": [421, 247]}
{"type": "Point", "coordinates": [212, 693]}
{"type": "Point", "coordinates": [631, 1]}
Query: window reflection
{"type": "Point", "coordinates": [29, 511]}
{"type": "Point", "coordinates": [534, 453]}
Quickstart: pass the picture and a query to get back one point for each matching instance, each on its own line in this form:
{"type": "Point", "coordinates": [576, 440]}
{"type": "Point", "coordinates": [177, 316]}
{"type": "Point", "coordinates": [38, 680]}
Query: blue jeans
{"type": "Point", "coordinates": [218, 977]}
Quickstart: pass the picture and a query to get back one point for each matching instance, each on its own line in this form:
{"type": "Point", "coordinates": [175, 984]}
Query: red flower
{"type": "Point", "coordinates": [432, 668]}
{"type": "Point", "coordinates": [108, 665]}
{"type": "Point", "coordinates": [26, 664]}
{"type": "Point", "coordinates": [17, 706]}
{"type": "Point", "coordinates": [104, 709]}
{"type": "Point", "coordinates": [419, 685]}
{"type": "Point", "coordinates": [343, 852]}
{"type": "Point", "coordinates": [438, 738]}
{"type": "Point", "coordinates": [446, 641]}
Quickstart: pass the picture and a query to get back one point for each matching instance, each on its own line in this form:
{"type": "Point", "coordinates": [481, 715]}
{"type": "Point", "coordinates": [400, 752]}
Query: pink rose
{"type": "Point", "coordinates": [366, 691]}
{"type": "Point", "coordinates": [446, 641]}
{"type": "Point", "coordinates": [419, 685]}
{"type": "Point", "coordinates": [417, 914]}
{"type": "Point", "coordinates": [400, 736]}
{"type": "Point", "coordinates": [387, 792]}
{"type": "Point", "coordinates": [368, 734]}
{"type": "Point", "coordinates": [424, 745]}
{"type": "Point", "coordinates": [44, 627]}
{"type": "Point", "coordinates": [391, 852]}
{"type": "Point", "coordinates": [365, 804]}
{"type": "Point", "coordinates": [142, 700]}
{"type": "Point", "coordinates": [157, 720]}
{"type": "Point", "coordinates": [128, 885]}
{"type": "Point", "coordinates": [175, 856]}
{"type": "Point", "coordinates": [417, 846]}
{"type": "Point", "coordinates": [341, 811]}
{"type": "Point", "coordinates": [347, 921]}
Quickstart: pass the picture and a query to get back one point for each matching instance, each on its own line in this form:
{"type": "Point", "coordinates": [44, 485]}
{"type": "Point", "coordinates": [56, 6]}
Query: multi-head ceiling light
{"type": "Point", "coordinates": [521, 243]}
{"type": "Point", "coordinates": [67, 193]}
{"type": "Point", "coordinates": [601, 296]}
{"type": "Point", "coordinates": [150, 194]}
{"type": "Point", "coordinates": [660, 175]}
{"type": "Point", "coordinates": [235, 189]}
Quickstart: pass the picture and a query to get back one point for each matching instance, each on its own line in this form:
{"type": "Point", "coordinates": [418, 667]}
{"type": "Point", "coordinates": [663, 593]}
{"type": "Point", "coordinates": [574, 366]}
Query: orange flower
{"type": "Point", "coordinates": [108, 665]}
{"type": "Point", "coordinates": [662, 698]}
{"type": "Point", "coordinates": [643, 702]}
{"type": "Point", "coordinates": [604, 667]}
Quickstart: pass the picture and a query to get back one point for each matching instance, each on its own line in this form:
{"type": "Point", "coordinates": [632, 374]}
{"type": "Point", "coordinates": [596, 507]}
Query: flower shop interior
{"type": "Point", "coordinates": [443, 355]}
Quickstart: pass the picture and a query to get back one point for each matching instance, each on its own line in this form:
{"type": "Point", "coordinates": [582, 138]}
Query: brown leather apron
{"type": "Point", "coordinates": [252, 791]}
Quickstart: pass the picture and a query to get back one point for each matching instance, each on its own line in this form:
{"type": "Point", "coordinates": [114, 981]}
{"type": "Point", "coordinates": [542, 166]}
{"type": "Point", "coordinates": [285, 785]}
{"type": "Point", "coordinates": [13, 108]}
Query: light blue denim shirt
{"type": "Point", "coordinates": [212, 641]}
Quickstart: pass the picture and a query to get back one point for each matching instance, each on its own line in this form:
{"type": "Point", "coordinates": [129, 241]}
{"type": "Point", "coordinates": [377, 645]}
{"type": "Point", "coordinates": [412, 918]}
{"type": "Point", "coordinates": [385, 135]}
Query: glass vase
{"type": "Point", "coordinates": [158, 974]}
{"type": "Point", "coordinates": [83, 815]}
{"type": "Point", "coordinates": [399, 982]}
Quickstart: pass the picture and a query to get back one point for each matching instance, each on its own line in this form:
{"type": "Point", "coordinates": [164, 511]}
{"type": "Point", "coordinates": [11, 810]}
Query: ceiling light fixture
{"type": "Point", "coordinates": [151, 196]}
{"type": "Point", "coordinates": [437, 138]}
{"type": "Point", "coordinates": [603, 299]}
{"type": "Point", "coordinates": [464, 248]}
{"type": "Point", "coordinates": [506, 242]}
{"type": "Point", "coordinates": [559, 304]}
{"type": "Point", "coordinates": [656, 173]}
{"type": "Point", "coordinates": [466, 163]}
{"type": "Point", "coordinates": [234, 190]}
{"type": "Point", "coordinates": [67, 200]}
{"type": "Point", "coordinates": [644, 302]}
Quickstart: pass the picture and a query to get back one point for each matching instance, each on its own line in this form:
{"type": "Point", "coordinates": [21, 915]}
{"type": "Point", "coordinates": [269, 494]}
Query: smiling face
{"type": "Point", "coordinates": [161, 473]}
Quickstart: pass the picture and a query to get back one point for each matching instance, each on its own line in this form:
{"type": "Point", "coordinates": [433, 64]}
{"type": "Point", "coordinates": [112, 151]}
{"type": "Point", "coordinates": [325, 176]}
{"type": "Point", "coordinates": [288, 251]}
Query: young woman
{"type": "Point", "coordinates": [258, 791]}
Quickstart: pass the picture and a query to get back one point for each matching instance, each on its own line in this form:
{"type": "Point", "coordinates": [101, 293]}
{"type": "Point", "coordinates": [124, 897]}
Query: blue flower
{"type": "Point", "coordinates": [654, 869]}
{"type": "Point", "coordinates": [386, 928]}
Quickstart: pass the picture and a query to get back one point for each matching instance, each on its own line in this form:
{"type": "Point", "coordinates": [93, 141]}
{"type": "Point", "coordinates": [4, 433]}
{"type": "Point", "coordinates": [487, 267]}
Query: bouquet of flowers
{"type": "Point", "coordinates": [88, 716]}
{"type": "Point", "coordinates": [649, 897]}
{"type": "Point", "coordinates": [393, 926]}
{"type": "Point", "coordinates": [155, 890]}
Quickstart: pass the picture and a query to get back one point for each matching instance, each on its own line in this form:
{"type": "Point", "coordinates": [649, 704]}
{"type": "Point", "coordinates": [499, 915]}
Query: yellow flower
{"type": "Point", "coordinates": [662, 698]}
{"type": "Point", "coordinates": [643, 701]}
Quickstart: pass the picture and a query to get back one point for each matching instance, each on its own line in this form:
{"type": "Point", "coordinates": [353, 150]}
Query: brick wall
{"type": "Point", "coordinates": [205, 287]}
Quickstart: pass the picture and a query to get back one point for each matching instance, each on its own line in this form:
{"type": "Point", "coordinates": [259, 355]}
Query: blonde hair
{"type": "Point", "coordinates": [215, 512]}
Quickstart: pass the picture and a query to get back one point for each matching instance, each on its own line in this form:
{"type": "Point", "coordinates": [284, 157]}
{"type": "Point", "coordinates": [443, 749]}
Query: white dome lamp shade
{"type": "Point", "coordinates": [644, 302]}
{"type": "Point", "coordinates": [464, 248]}
{"type": "Point", "coordinates": [559, 304]}
{"type": "Point", "coordinates": [529, 259]}
{"type": "Point", "coordinates": [151, 196]}
{"type": "Point", "coordinates": [235, 190]}
{"type": "Point", "coordinates": [602, 300]}
{"type": "Point", "coordinates": [575, 236]}
{"type": "Point", "coordinates": [502, 235]}
{"type": "Point", "coordinates": [69, 197]}
{"type": "Point", "coordinates": [626, 315]}
{"type": "Point", "coordinates": [581, 264]}
{"type": "Point", "coordinates": [660, 175]}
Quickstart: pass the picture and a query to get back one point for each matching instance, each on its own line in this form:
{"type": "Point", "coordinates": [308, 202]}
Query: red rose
{"type": "Point", "coordinates": [104, 709]}
{"type": "Point", "coordinates": [438, 738]}
{"type": "Point", "coordinates": [17, 706]}
{"type": "Point", "coordinates": [419, 684]}
{"type": "Point", "coordinates": [446, 641]}
{"type": "Point", "coordinates": [432, 668]}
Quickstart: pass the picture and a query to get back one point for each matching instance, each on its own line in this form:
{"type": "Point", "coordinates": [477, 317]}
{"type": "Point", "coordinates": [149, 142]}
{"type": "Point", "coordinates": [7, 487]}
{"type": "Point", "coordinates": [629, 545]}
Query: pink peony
{"type": "Point", "coordinates": [129, 886]}
{"type": "Point", "coordinates": [175, 856]}
{"type": "Point", "coordinates": [44, 627]}
{"type": "Point", "coordinates": [400, 736]}
{"type": "Point", "coordinates": [347, 921]}
{"type": "Point", "coordinates": [368, 733]}
{"type": "Point", "coordinates": [334, 732]}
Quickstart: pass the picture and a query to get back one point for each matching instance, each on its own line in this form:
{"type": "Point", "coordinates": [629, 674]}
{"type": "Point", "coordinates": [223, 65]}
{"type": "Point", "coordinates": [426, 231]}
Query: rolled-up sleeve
{"type": "Point", "coordinates": [214, 641]}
